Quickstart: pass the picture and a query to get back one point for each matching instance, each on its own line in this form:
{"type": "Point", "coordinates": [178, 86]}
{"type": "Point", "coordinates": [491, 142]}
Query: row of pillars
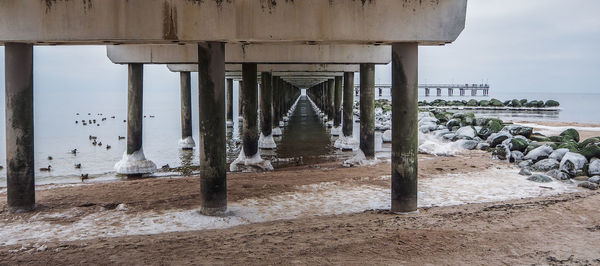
{"type": "Point", "coordinates": [451, 92]}
{"type": "Point", "coordinates": [212, 120]}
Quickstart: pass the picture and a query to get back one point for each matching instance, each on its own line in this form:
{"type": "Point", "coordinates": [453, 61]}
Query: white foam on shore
{"type": "Point", "coordinates": [555, 130]}
{"type": "Point", "coordinates": [435, 145]}
{"type": "Point", "coordinates": [326, 198]}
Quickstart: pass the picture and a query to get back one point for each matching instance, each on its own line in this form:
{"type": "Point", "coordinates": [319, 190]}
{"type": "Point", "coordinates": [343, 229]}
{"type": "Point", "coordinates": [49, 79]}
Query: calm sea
{"type": "Point", "coordinates": [56, 132]}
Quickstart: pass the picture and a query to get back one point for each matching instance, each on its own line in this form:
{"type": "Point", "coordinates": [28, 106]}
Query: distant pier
{"type": "Point", "coordinates": [475, 89]}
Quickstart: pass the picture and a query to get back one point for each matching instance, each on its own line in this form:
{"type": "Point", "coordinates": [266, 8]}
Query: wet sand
{"type": "Point", "coordinates": [542, 230]}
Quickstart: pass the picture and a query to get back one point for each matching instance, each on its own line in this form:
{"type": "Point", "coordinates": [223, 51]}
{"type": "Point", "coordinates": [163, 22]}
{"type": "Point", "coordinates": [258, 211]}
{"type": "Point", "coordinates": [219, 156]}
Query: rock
{"type": "Point", "coordinates": [589, 185]}
{"type": "Point", "coordinates": [515, 103]}
{"type": "Point", "coordinates": [524, 164]}
{"type": "Point", "coordinates": [525, 172]}
{"type": "Point", "coordinates": [545, 165]}
{"type": "Point", "coordinates": [484, 132]}
{"type": "Point", "coordinates": [557, 174]}
{"type": "Point", "coordinates": [496, 103]}
{"type": "Point", "coordinates": [453, 123]}
{"type": "Point", "coordinates": [484, 103]}
{"type": "Point", "coordinates": [551, 103]}
{"type": "Point", "coordinates": [570, 145]}
{"type": "Point", "coordinates": [467, 132]}
{"type": "Point", "coordinates": [540, 178]}
{"type": "Point", "coordinates": [588, 141]}
{"type": "Point", "coordinates": [516, 156]}
{"type": "Point", "coordinates": [539, 153]}
{"type": "Point", "coordinates": [449, 136]}
{"type": "Point", "coordinates": [498, 138]}
{"type": "Point", "coordinates": [570, 134]}
{"type": "Point", "coordinates": [594, 167]}
{"type": "Point", "coordinates": [501, 152]}
{"type": "Point", "coordinates": [591, 151]}
{"type": "Point", "coordinates": [572, 163]}
{"type": "Point", "coordinates": [467, 144]}
{"type": "Point", "coordinates": [441, 132]}
{"type": "Point", "coordinates": [517, 144]}
{"type": "Point", "coordinates": [495, 125]}
{"type": "Point", "coordinates": [483, 146]}
{"type": "Point", "coordinates": [594, 179]}
{"type": "Point", "coordinates": [472, 102]}
{"type": "Point", "coordinates": [538, 137]}
{"type": "Point", "coordinates": [519, 130]}
{"type": "Point", "coordinates": [558, 154]}
{"type": "Point", "coordinates": [426, 128]}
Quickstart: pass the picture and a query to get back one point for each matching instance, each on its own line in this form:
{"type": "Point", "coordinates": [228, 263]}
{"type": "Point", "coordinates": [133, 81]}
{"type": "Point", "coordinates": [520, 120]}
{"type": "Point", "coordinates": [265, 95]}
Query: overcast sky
{"type": "Point", "coordinates": [515, 45]}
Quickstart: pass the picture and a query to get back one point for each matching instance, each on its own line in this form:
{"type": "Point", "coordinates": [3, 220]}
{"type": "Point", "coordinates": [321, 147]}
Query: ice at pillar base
{"type": "Point", "coordinates": [241, 119]}
{"type": "Point", "coordinates": [229, 123]}
{"type": "Point", "coordinates": [360, 159]}
{"type": "Point", "coordinates": [285, 119]}
{"type": "Point", "coordinates": [252, 162]}
{"type": "Point", "coordinates": [135, 163]}
{"type": "Point", "coordinates": [336, 131]}
{"type": "Point", "coordinates": [387, 136]}
{"type": "Point", "coordinates": [346, 143]}
{"type": "Point", "coordinates": [266, 142]}
{"type": "Point", "coordinates": [187, 143]}
{"type": "Point", "coordinates": [281, 124]}
{"type": "Point", "coordinates": [329, 124]}
{"type": "Point", "coordinates": [277, 131]}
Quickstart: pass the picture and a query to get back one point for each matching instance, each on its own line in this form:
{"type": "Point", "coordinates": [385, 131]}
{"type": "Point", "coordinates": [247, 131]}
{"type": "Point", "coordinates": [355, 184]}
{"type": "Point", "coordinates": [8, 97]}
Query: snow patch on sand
{"type": "Point", "coordinates": [346, 143]}
{"type": "Point", "coordinates": [135, 163]}
{"type": "Point", "coordinates": [360, 159]}
{"type": "Point", "coordinates": [254, 161]}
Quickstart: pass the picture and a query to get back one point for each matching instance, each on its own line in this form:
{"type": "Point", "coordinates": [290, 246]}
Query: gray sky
{"type": "Point", "coordinates": [515, 45]}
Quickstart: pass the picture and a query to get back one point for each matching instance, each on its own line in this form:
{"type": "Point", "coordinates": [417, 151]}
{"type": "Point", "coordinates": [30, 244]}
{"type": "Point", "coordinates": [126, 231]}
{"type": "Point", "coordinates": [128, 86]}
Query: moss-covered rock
{"type": "Point", "coordinates": [496, 103]}
{"type": "Point", "coordinates": [472, 102]}
{"type": "Point", "coordinates": [468, 119]}
{"type": "Point", "coordinates": [506, 103]}
{"type": "Point", "coordinates": [518, 144]}
{"type": "Point", "coordinates": [591, 151]}
{"type": "Point", "coordinates": [495, 125]}
{"type": "Point", "coordinates": [538, 137]}
{"type": "Point", "coordinates": [523, 102]}
{"type": "Point", "coordinates": [521, 130]}
{"type": "Point", "coordinates": [454, 122]}
{"type": "Point", "coordinates": [570, 144]}
{"type": "Point", "coordinates": [588, 141]}
{"type": "Point", "coordinates": [515, 103]}
{"type": "Point", "coordinates": [484, 103]}
{"type": "Point", "coordinates": [570, 134]}
{"type": "Point", "coordinates": [532, 146]}
{"type": "Point", "coordinates": [551, 103]}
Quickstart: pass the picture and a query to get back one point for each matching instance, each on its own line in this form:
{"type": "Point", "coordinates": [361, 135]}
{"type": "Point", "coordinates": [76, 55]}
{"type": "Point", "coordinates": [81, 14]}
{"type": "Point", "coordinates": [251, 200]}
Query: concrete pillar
{"type": "Point", "coordinates": [134, 163]}
{"type": "Point", "coordinates": [348, 112]}
{"type": "Point", "coordinates": [450, 92]}
{"type": "Point", "coordinates": [187, 141]}
{"type": "Point", "coordinates": [331, 98]}
{"type": "Point", "coordinates": [276, 106]}
{"type": "Point", "coordinates": [404, 126]}
{"type": "Point", "coordinates": [427, 92]}
{"type": "Point", "coordinates": [229, 102]}
{"type": "Point", "coordinates": [462, 92]}
{"type": "Point", "coordinates": [250, 106]}
{"type": "Point", "coordinates": [240, 105]}
{"type": "Point", "coordinates": [439, 92]}
{"type": "Point", "coordinates": [367, 110]}
{"type": "Point", "coordinates": [473, 92]}
{"type": "Point", "coordinates": [212, 143]}
{"type": "Point", "coordinates": [337, 102]}
{"type": "Point", "coordinates": [20, 184]}
{"type": "Point", "coordinates": [266, 112]}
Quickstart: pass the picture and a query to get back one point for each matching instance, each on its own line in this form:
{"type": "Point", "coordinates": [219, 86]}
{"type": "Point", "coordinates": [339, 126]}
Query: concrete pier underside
{"type": "Point", "coordinates": [210, 33]}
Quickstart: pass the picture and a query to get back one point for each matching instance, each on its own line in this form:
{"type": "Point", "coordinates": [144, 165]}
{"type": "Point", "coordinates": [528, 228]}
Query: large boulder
{"type": "Point", "coordinates": [551, 103]}
{"type": "Point", "coordinates": [546, 165]}
{"type": "Point", "coordinates": [594, 167]}
{"type": "Point", "coordinates": [591, 151]}
{"type": "Point", "coordinates": [540, 178]}
{"type": "Point", "coordinates": [498, 138]}
{"type": "Point", "coordinates": [518, 144]}
{"type": "Point", "coordinates": [467, 144]}
{"type": "Point", "coordinates": [572, 163]}
{"type": "Point", "coordinates": [484, 103]}
{"type": "Point", "coordinates": [569, 145]}
{"type": "Point", "coordinates": [453, 123]}
{"type": "Point", "coordinates": [501, 152]}
{"type": "Point", "coordinates": [557, 174]}
{"type": "Point", "coordinates": [515, 103]}
{"type": "Point", "coordinates": [558, 154]}
{"type": "Point", "coordinates": [467, 132]}
{"type": "Point", "coordinates": [472, 102]}
{"type": "Point", "coordinates": [588, 142]}
{"type": "Point", "coordinates": [516, 156]}
{"type": "Point", "coordinates": [496, 103]}
{"type": "Point", "coordinates": [570, 134]}
{"type": "Point", "coordinates": [538, 137]}
{"type": "Point", "coordinates": [519, 130]}
{"type": "Point", "coordinates": [483, 146]}
{"type": "Point", "coordinates": [539, 153]}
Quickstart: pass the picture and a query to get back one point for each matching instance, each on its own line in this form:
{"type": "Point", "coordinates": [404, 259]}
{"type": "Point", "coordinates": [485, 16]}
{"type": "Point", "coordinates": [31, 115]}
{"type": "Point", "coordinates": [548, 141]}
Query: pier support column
{"type": "Point", "coordinates": [134, 163]}
{"type": "Point", "coordinates": [250, 105]}
{"type": "Point", "coordinates": [240, 105]}
{"type": "Point", "coordinates": [450, 92]}
{"type": "Point", "coordinates": [229, 93]}
{"type": "Point", "coordinates": [212, 143]}
{"type": "Point", "coordinates": [347, 142]}
{"type": "Point", "coordinates": [439, 92]}
{"type": "Point", "coordinates": [266, 112]}
{"type": "Point", "coordinates": [404, 126]}
{"type": "Point", "coordinates": [427, 92]}
{"type": "Point", "coordinates": [337, 109]}
{"type": "Point", "coordinates": [187, 141]}
{"type": "Point", "coordinates": [330, 100]}
{"type": "Point", "coordinates": [20, 183]}
{"type": "Point", "coordinates": [276, 107]}
{"type": "Point", "coordinates": [367, 110]}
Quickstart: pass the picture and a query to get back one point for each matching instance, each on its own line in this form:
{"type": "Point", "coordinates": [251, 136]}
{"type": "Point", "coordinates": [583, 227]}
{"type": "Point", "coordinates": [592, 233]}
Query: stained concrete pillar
{"type": "Point", "coordinates": [404, 126]}
{"type": "Point", "coordinates": [367, 110]}
{"type": "Point", "coordinates": [240, 105]}
{"type": "Point", "coordinates": [276, 106]}
{"type": "Point", "coordinates": [337, 102]}
{"type": "Point", "coordinates": [134, 163]}
{"type": "Point", "coordinates": [229, 93]}
{"type": "Point", "coordinates": [212, 143]}
{"type": "Point", "coordinates": [348, 102]}
{"type": "Point", "coordinates": [187, 141]}
{"type": "Point", "coordinates": [331, 99]}
{"type": "Point", "coordinates": [20, 184]}
{"type": "Point", "coordinates": [266, 112]}
{"type": "Point", "coordinates": [250, 105]}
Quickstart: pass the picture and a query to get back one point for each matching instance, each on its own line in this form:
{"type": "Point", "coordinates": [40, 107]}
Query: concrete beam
{"type": "Point", "coordinates": [167, 21]}
{"type": "Point", "coordinates": [273, 68]}
{"type": "Point", "coordinates": [254, 53]}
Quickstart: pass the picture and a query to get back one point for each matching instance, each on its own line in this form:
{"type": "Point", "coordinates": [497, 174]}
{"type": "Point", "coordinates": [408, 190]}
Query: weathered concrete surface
{"type": "Point", "coordinates": [274, 68]}
{"type": "Point", "coordinates": [135, 108]}
{"type": "Point", "coordinates": [348, 104]}
{"type": "Point", "coordinates": [367, 109]}
{"type": "Point", "coordinates": [250, 105]}
{"type": "Point", "coordinates": [404, 127]}
{"type": "Point", "coordinates": [331, 98]}
{"type": "Point", "coordinates": [167, 21]}
{"type": "Point", "coordinates": [187, 141]}
{"type": "Point", "coordinates": [337, 103]}
{"type": "Point", "coordinates": [20, 184]}
{"type": "Point", "coordinates": [229, 99]}
{"type": "Point", "coordinates": [211, 99]}
{"type": "Point", "coordinates": [266, 104]}
{"type": "Point", "coordinates": [253, 53]}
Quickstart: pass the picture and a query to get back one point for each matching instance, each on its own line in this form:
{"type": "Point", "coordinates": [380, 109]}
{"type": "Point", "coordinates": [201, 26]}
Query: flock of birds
{"type": "Point", "coordinates": [93, 139]}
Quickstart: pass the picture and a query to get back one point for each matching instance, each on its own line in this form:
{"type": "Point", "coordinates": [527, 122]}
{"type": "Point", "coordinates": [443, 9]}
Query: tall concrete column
{"type": "Point", "coordinates": [240, 105]}
{"type": "Point", "coordinates": [276, 104]}
{"type": "Point", "coordinates": [212, 143]}
{"type": "Point", "coordinates": [229, 102]}
{"type": "Point", "coordinates": [348, 102]}
{"type": "Point", "coordinates": [250, 105]}
{"type": "Point", "coordinates": [134, 163]}
{"type": "Point", "coordinates": [20, 184]}
{"type": "Point", "coordinates": [331, 99]}
{"type": "Point", "coordinates": [404, 126]}
{"type": "Point", "coordinates": [337, 102]}
{"type": "Point", "coordinates": [367, 110]}
{"type": "Point", "coordinates": [187, 141]}
{"type": "Point", "coordinates": [266, 112]}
